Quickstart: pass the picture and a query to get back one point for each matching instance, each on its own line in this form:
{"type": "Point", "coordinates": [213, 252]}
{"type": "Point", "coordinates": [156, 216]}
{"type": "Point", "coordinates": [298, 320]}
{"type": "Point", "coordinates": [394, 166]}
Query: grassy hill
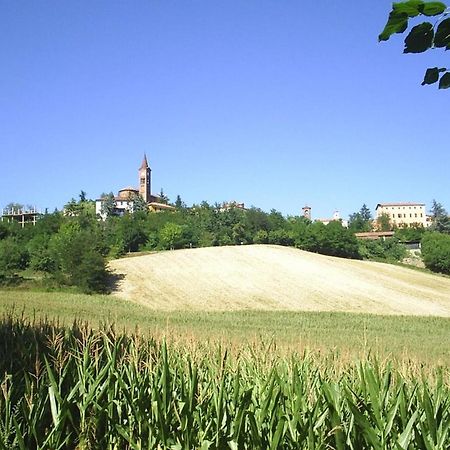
{"type": "Point", "coordinates": [269, 278]}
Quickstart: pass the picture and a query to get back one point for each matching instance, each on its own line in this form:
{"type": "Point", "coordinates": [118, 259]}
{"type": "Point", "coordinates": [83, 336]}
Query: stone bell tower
{"type": "Point", "coordinates": [145, 180]}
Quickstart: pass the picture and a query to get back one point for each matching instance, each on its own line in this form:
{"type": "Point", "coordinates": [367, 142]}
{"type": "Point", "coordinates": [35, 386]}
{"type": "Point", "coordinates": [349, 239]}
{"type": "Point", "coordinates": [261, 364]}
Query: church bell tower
{"type": "Point", "coordinates": [145, 180]}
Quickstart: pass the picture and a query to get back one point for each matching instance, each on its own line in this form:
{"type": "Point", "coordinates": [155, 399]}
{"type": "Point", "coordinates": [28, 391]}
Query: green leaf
{"type": "Point", "coordinates": [411, 7]}
{"type": "Point", "coordinates": [444, 82]}
{"type": "Point", "coordinates": [432, 75]}
{"type": "Point", "coordinates": [397, 23]}
{"type": "Point", "coordinates": [432, 8]}
{"type": "Point", "coordinates": [442, 36]}
{"type": "Point", "coordinates": [419, 39]}
{"type": "Point", "coordinates": [405, 438]}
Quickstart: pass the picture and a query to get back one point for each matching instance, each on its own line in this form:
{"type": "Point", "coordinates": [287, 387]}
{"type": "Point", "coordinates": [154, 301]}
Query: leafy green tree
{"type": "Point", "coordinates": [13, 257]}
{"type": "Point", "coordinates": [276, 220]}
{"type": "Point", "coordinates": [108, 205]}
{"type": "Point", "coordinates": [423, 36]}
{"type": "Point", "coordinates": [162, 197]}
{"type": "Point", "coordinates": [361, 221]}
{"type": "Point", "coordinates": [179, 204]}
{"type": "Point", "coordinates": [14, 206]}
{"type": "Point", "coordinates": [441, 220]}
{"type": "Point", "coordinates": [338, 241]}
{"type": "Point", "coordinates": [40, 256]}
{"type": "Point", "coordinates": [391, 249]}
{"type": "Point", "coordinates": [139, 204]}
{"type": "Point", "coordinates": [131, 233]}
{"type": "Point", "coordinates": [78, 261]}
{"type": "Point", "coordinates": [384, 222]}
{"type": "Point", "coordinates": [436, 252]}
{"type": "Point", "coordinates": [409, 234]}
{"type": "Point", "coordinates": [171, 236]}
{"type": "Point", "coordinates": [261, 237]}
{"type": "Point", "coordinates": [238, 233]}
{"type": "Point", "coordinates": [280, 237]}
{"type": "Point", "coordinates": [4, 230]}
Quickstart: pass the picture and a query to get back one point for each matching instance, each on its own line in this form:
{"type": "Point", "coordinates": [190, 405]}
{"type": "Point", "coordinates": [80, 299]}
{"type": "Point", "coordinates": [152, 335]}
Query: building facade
{"type": "Point", "coordinates": [403, 215]}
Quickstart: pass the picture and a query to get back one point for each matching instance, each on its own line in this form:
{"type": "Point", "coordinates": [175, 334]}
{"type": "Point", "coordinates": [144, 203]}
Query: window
{"type": "Point", "coordinates": [399, 216]}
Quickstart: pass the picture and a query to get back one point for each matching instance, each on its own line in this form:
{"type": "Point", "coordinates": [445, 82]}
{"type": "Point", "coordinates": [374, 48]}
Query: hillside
{"type": "Point", "coordinates": [266, 277]}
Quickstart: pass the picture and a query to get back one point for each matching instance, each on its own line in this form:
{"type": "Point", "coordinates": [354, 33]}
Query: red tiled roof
{"type": "Point", "coordinates": [400, 204]}
{"type": "Point", "coordinates": [129, 188]}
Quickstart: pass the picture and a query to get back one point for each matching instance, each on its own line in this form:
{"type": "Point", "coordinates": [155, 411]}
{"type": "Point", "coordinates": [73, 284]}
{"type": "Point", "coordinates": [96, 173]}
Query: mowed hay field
{"type": "Point", "coordinates": [273, 278]}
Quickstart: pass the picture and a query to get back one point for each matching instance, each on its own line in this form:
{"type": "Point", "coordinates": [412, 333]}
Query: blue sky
{"type": "Point", "coordinates": [275, 104]}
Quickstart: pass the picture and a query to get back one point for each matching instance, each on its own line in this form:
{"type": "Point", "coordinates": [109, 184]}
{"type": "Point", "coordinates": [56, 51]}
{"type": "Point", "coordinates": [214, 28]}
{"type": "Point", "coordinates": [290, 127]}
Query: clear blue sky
{"type": "Point", "coordinates": [275, 104]}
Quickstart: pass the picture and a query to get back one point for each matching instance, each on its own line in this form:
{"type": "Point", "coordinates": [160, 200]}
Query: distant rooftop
{"type": "Point", "coordinates": [401, 204]}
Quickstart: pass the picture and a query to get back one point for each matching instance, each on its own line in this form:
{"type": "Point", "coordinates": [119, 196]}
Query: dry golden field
{"type": "Point", "coordinates": [269, 278]}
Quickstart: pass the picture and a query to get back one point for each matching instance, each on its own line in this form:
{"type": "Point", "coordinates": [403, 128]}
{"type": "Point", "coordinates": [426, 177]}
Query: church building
{"type": "Point", "coordinates": [125, 199]}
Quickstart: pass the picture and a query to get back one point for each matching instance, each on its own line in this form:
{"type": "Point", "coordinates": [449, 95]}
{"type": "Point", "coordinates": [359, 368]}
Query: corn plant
{"type": "Point", "coordinates": [76, 388]}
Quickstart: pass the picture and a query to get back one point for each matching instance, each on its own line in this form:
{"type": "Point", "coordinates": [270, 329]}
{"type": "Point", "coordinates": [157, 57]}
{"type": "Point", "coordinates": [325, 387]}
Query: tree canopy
{"type": "Point", "coordinates": [424, 36]}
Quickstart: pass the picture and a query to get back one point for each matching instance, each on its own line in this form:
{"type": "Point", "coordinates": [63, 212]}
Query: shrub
{"type": "Point", "coordinates": [436, 252]}
{"type": "Point", "coordinates": [77, 260]}
{"type": "Point", "coordinates": [387, 250]}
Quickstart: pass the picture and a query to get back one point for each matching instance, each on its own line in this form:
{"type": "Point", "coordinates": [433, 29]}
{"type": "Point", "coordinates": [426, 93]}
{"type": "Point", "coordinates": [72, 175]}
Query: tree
{"type": "Point", "coordinates": [131, 233]}
{"type": "Point", "coordinates": [108, 205]}
{"type": "Point", "coordinates": [261, 237]}
{"type": "Point", "coordinates": [441, 220]}
{"type": "Point", "coordinates": [139, 204]}
{"type": "Point", "coordinates": [382, 249]}
{"type": "Point", "coordinates": [179, 204]}
{"type": "Point", "coordinates": [171, 235]}
{"type": "Point", "coordinates": [338, 241]}
{"type": "Point", "coordinates": [384, 222]}
{"type": "Point", "coordinates": [14, 206]}
{"type": "Point", "coordinates": [163, 197]}
{"type": "Point", "coordinates": [423, 36]}
{"type": "Point", "coordinates": [13, 257]}
{"type": "Point", "coordinates": [361, 221]}
{"type": "Point", "coordinates": [436, 252]}
{"type": "Point", "coordinates": [77, 260]}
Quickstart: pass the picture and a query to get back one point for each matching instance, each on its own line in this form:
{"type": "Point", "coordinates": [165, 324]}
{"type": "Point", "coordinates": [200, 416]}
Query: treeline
{"type": "Point", "coordinates": [71, 249]}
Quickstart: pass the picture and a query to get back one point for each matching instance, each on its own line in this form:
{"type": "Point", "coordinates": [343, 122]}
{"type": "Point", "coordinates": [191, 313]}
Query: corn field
{"type": "Point", "coordinates": [76, 388]}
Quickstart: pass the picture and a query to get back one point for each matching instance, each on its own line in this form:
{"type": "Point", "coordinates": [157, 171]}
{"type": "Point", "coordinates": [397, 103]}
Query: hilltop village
{"type": "Point", "coordinates": [388, 216]}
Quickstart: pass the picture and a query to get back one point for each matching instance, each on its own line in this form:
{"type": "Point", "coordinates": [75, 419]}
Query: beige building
{"type": "Point", "coordinates": [403, 215]}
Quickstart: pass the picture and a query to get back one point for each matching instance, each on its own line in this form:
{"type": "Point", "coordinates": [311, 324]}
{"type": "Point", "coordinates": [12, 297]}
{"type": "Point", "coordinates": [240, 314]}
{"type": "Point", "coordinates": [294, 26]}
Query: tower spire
{"type": "Point", "coordinates": [144, 164]}
{"type": "Point", "coordinates": [145, 180]}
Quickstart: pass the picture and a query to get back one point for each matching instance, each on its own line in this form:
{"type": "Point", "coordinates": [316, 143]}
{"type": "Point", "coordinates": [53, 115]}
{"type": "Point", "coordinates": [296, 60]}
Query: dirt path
{"type": "Point", "coordinates": [267, 277]}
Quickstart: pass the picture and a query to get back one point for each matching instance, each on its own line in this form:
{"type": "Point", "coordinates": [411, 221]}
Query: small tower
{"type": "Point", "coordinates": [145, 180]}
{"type": "Point", "coordinates": [307, 212]}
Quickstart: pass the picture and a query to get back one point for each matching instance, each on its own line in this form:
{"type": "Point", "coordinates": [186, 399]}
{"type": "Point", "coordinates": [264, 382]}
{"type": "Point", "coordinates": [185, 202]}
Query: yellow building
{"type": "Point", "coordinates": [403, 215]}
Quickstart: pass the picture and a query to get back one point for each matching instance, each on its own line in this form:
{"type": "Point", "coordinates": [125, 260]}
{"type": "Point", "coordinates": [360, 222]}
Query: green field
{"type": "Point", "coordinates": [77, 388]}
{"type": "Point", "coordinates": [407, 339]}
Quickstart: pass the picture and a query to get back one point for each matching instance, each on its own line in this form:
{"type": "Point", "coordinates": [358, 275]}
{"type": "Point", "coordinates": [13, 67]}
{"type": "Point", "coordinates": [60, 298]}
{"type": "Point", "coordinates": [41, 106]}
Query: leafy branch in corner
{"type": "Point", "coordinates": [424, 36]}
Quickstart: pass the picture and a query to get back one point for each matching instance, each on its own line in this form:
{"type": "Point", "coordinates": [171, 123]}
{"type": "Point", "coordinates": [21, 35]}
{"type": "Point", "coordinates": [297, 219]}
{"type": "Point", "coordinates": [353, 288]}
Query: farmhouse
{"type": "Point", "coordinates": [404, 215]}
{"type": "Point", "coordinates": [127, 197]}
